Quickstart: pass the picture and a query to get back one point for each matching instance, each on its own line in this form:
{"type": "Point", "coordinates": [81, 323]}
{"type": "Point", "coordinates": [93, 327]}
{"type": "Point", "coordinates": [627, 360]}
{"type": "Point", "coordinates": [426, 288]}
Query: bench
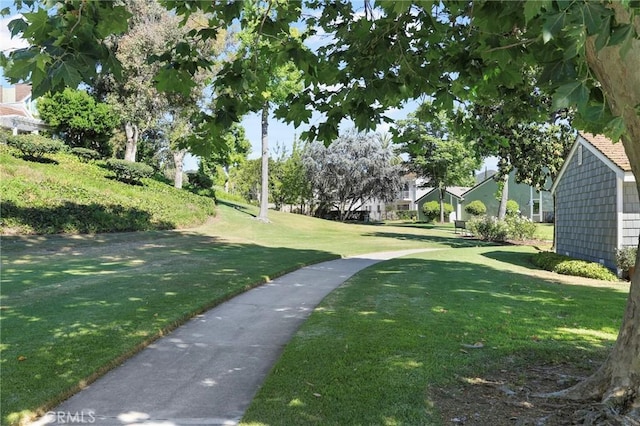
{"type": "Point", "coordinates": [459, 224]}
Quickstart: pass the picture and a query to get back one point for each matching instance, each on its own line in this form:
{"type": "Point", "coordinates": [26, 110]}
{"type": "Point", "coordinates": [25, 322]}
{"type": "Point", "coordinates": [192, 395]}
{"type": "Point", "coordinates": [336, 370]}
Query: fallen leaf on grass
{"type": "Point", "coordinates": [477, 345]}
{"type": "Point", "coordinates": [22, 358]}
{"type": "Point", "coordinates": [317, 395]}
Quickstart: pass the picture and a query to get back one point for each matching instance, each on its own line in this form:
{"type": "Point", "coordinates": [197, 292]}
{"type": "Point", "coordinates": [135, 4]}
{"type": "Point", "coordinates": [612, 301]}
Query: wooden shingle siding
{"type": "Point", "coordinates": [586, 218]}
{"type": "Point", "coordinates": [631, 215]}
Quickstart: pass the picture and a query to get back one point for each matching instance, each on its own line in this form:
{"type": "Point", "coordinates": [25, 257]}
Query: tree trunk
{"type": "Point", "coordinates": [442, 193]}
{"type": "Point", "coordinates": [504, 197]}
{"type": "Point", "coordinates": [225, 169]}
{"type": "Point", "coordinates": [131, 130]}
{"type": "Point", "coordinates": [178, 161]}
{"type": "Point", "coordinates": [617, 382]}
{"type": "Point", "coordinates": [264, 193]}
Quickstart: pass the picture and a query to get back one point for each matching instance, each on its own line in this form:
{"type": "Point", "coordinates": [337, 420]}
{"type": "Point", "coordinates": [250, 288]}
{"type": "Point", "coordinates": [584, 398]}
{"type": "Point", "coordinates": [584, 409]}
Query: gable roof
{"type": "Point", "coordinates": [456, 191]}
{"type": "Point", "coordinates": [482, 182]}
{"type": "Point", "coordinates": [613, 151]}
{"type": "Point", "coordinates": [13, 110]}
{"type": "Point", "coordinates": [611, 154]}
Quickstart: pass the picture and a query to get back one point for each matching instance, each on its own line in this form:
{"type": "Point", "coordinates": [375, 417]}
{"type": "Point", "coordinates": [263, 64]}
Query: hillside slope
{"type": "Point", "coordinates": [65, 195]}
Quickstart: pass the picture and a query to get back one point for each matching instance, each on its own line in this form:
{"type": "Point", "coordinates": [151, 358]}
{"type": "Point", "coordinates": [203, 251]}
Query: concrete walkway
{"type": "Point", "coordinates": [207, 371]}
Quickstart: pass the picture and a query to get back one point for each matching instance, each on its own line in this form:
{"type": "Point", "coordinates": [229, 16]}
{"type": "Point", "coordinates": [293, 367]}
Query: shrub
{"type": "Point", "coordinates": [488, 228]}
{"type": "Point", "coordinates": [520, 227]}
{"type": "Point", "coordinates": [86, 154]}
{"type": "Point", "coordinates": [432, 210]}
{"type": "Point", "coordinates": [129, 172]}
{"type": "Point", "coordinates": [33, 146]}
{"type": "Point", "coordinates": [476, 208]}
{"type": "Point", "coordinates": [566, 265]}
{"type": "Point", "coordinates": [200, 180]}
{"type": "Point", "coordinates": [626, 257]}
{"type": "Point", "coordinates": [408, 214]}
{"type": "Point", "coordinates": [513, 209]}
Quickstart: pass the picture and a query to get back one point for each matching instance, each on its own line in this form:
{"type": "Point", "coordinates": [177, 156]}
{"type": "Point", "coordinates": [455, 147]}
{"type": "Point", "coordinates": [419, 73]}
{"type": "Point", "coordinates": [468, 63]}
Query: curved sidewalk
{"type": "Point", "coordinates": [207, 371]}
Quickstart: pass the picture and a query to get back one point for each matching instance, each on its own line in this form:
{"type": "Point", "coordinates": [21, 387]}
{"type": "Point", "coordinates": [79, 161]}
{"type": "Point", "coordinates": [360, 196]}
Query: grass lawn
{"type": "Point", "coordinates": [374, 348]}
{"type": "Point", "coordinates": [544, 231]}
{"type": "Point", "coordinates": [73, 306]}
{"type": "Point", "coordinates": [64, 194]}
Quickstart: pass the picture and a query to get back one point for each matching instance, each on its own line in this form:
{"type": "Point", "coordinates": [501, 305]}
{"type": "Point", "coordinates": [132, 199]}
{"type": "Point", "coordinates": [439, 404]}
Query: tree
{"type": "Point", "coordinates": [352, 170]}
{"type": "Point", "coordinates": [288, 180]}
{"type": "Point", "coordinates": [585, 53]}
{"type": "Point", "coordinates": [535, 149]}
{"type": "Point", "coordinates": [295, 184]}
{"type": "Point", "coordinates": [236, 149]}
{"type": "Point", "coordinates": [133, 95]}
{"type": "Point", "coordinates": [444, 162]}
{"type": "Point", "coordinates": [78, 119]}
{"type": "Point", "coordinates": [244, 180]}
{"type": "Point", "coordinates": [269, 82]}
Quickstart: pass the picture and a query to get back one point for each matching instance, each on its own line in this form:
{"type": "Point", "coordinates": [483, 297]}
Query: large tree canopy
{"type": "Point", "coordinates": [79, 120]}
{"type": "Point", "coordinates": [435, 155]}
{"type": "Point", "coordinates": [586, 54]}
{"type": "Point", "coordinates": [354, 169]}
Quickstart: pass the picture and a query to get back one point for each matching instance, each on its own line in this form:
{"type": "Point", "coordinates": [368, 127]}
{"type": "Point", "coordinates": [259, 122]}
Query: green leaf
{"type": "Point", "coordinates": [621, 34]}
{"type": "Point", "coordinates": [575, 93]}
{"type": "Point", "coordinates": [532, 8]}
{"type": "Point", "coordinates": [594, 15]}
{"type": "Point", "coordinates": [65, 75]}
{"type": "Point", "coordinates": [615, 129]}
{"type": "Point", "coordinates": [552, 26]}
{"type": "Point", "coordinates": [604, 34]}
{"type": "Point", "coordinates": [173, 80]}
{"type": "Point", "coordinates": [594, 113]}
{"type": "Point", "coordinates": [17, 26]}
{"type": "Point", "coordinates": [113, 20]}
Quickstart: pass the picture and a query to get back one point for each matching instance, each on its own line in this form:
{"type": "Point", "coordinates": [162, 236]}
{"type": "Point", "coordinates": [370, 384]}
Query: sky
{"type": "Point", "coordinates": [280, 134]}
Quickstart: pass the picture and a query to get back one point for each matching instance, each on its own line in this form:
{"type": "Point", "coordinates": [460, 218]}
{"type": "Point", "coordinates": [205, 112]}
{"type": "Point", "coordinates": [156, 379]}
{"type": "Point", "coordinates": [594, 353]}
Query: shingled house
{"type": "Point", "coordinates": [597, 208]}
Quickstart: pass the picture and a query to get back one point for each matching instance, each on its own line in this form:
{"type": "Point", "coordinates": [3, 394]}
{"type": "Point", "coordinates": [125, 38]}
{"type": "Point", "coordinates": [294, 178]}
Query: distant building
{"type": "Point", "coordinates": [18, 111]}
{"type": "Point", "coordinates": [453, 196]}
{"type": "Point", "coordinates": [412, 189]}
{"type": "Point", "coordinates": [535, 205]}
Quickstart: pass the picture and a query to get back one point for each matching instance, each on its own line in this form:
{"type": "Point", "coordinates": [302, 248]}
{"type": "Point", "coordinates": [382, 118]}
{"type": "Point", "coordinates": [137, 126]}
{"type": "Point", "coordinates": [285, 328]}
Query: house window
{"type": "Point", "coordinates": [579, 155]}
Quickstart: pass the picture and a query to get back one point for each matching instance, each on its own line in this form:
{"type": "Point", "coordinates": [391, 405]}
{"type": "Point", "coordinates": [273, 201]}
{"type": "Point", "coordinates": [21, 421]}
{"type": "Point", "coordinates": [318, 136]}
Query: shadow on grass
{"type": "Point", "coordinates": [239, 207]}
{"type": "Point", "coordinates": [41, 160]}
{"type": "Point", "coordinates": [82, 218]}
{"type": "Point", "coordinates": [75, 306]}
{"type": "Point", "coordinates": [405, 322]}
{"type": "Point", "coordinates": [455, 241]}
{"type": "Point", "coordinates": [513, 258]}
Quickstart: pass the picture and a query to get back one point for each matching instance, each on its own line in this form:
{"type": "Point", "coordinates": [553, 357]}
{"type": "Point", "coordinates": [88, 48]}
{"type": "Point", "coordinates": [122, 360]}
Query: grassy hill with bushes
{"type": "Point", "coordinates": [62, 194]}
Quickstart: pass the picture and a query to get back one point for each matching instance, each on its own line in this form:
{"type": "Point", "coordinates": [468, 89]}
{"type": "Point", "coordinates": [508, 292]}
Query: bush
{"type": "Point", "coordinates": [200, 180]}
{"type": "Point", "coordinates": [566, 265]}
{"type": "Point", "coordinates": [33, 146]}
{"type": "Point", "coordinates": [86, 154]}
{"type": "Point", "coordinates": [407, 214]}
{"type": "Point", "coordinates": [476, 208]}
{"type": "Point", "coordinates": [432, 210]}
{"type": "Point", "coordinates": [520, 228]}
{"type": "Point", "coordinates": [513, 209]}
{"type": "Point", "coordinates": [626, 257]}
{"type": "Point", "coordinates": [129, 172]}
{"type": "Point", "coordinates": [488, 228]}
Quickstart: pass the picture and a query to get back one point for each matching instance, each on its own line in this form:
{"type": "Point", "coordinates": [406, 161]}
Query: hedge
{"type": "Point", "coordinates": [566, 265]}
{"type": "Point", "coordinates": [129, 172]}
{"type": "Point", "coordinates": [33, 146]}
